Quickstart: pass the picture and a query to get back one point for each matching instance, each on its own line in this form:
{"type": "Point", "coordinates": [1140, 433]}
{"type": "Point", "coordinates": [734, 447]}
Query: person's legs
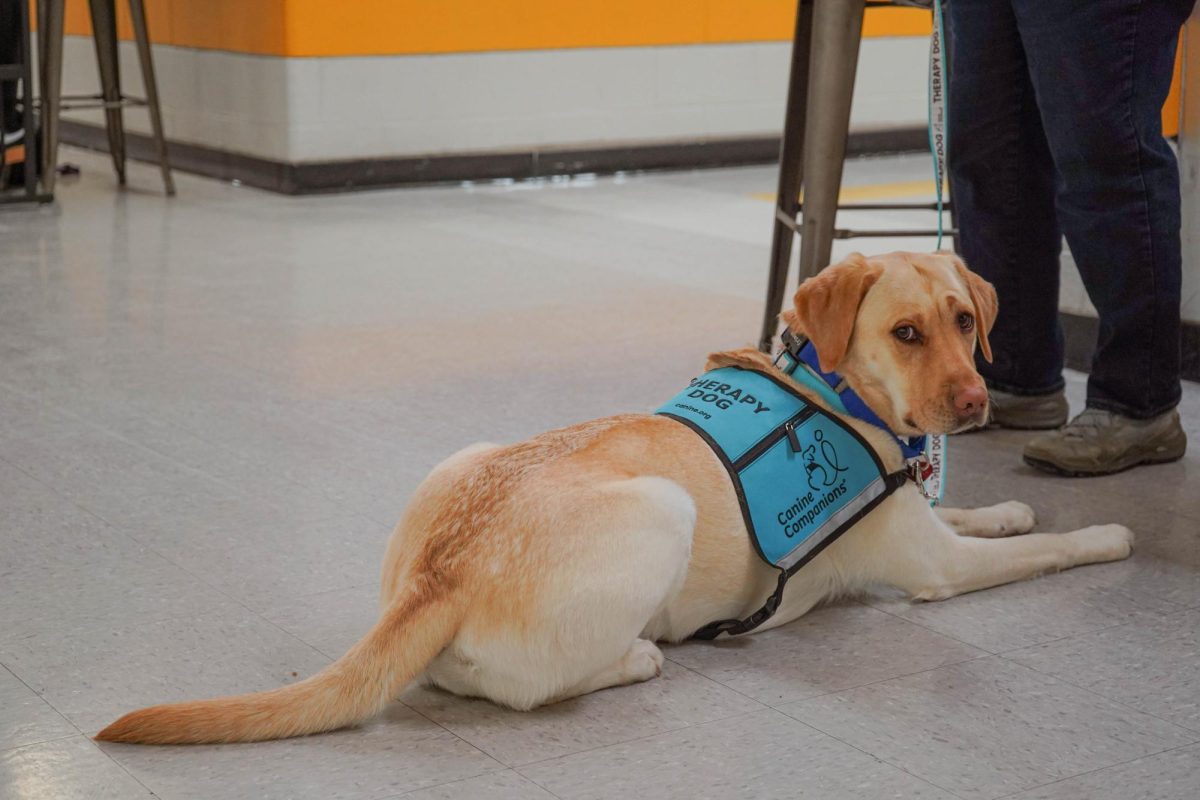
{"type": "Point", "coordinates": [1002, 179]}
{"type": "Point", "coordinates": [1101, 70]}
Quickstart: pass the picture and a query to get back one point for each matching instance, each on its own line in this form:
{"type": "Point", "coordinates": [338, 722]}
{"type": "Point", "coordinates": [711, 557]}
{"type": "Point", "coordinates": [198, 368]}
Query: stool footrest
{"type": "Point", "coordinates": [793, 224]}
{"type": "Point", "coordinates": [76, 102]}
{"type": "Point", "coordinates": [874, 207]}
{"type": "Point", "coordinates": [892, 206]}
{"type": "Point", "coordinates": [846, 233]}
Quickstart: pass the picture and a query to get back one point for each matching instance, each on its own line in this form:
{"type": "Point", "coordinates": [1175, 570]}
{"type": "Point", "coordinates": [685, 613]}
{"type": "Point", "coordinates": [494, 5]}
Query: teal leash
{"type": "Point", "coordinates": [937, 148]}
{"type": "Point", "coordinates": [937, 109]}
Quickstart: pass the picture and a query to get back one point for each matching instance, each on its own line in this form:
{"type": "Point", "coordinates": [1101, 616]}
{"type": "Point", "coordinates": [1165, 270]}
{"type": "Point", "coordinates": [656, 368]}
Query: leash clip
{"type": "Point", "coordinates": [927, 469]}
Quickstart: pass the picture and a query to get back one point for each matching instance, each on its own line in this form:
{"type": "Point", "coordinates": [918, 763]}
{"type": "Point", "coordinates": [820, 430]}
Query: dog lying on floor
{"type": "Point", "coordinates": [543, 570]}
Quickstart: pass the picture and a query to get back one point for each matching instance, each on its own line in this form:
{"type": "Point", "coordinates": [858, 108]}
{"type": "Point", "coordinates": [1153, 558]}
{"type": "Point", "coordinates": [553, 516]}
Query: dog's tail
{"type": "Point", "coordinates": [409, 634]}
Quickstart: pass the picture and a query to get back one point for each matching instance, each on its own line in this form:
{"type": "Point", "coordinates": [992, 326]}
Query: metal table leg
{"type": "Point", "coordinates": [813, 151]}
{"type": "Point", "coordinates": [837, 30]}
{"type": "Point", "coordinates": [791, 175]}
{"type": "Point", "coordinates": [137, 11]}
{"type": "Point", "coordinates": [50, 56]}
{"type": "Point", "coordinates": [104, 32]}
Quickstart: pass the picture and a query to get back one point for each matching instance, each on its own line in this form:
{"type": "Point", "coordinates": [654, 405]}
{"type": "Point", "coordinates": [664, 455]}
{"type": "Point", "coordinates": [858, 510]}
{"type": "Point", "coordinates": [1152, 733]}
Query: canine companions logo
{"type": "Point", "coordinates": [829, 470]}
{"type": "Point", "coordinates": [824, 482]}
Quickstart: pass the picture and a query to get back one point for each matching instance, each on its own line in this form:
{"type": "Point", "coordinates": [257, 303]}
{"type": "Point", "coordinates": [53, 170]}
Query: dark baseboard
{"type": "Point", "coordinates": [314, 177]}
{"type": "Point", "coordinates": [1080, 334]}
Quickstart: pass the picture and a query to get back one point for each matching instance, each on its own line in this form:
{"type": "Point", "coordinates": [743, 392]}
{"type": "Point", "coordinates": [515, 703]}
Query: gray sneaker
{"type": "Point", "coordinates": [1100, 442]}
{"type": "Point", "coordinates": [1037, 412]}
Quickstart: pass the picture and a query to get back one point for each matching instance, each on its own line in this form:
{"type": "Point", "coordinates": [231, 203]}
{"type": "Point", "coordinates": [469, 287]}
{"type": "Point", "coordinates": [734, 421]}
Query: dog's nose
{"type": "Point", "coordinates": [970, 400]}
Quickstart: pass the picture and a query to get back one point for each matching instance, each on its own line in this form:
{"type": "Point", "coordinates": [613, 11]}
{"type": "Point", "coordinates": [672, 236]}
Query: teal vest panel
{"type": "Point", "coordinates": [802, 475]}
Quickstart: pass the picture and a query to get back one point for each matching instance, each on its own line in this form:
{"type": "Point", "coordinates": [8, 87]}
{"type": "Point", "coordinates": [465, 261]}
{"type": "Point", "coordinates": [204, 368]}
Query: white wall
{"type": "Point", "coordinates": [309, 109]}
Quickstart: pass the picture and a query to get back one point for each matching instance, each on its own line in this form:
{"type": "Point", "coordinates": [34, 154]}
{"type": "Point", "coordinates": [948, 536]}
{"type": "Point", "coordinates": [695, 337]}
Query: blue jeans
{"type": "Point", "coordinates": [1055, 129]}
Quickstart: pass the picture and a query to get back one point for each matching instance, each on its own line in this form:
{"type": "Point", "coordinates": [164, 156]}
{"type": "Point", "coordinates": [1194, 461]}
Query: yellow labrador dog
{"type": "Point", "coordinates": [542, 570]}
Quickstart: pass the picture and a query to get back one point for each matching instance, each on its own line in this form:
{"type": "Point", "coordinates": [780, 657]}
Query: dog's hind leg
{"type": "Point", "coordinates": [992, 522]}
{"type": "Point", "coordinates": [641, 662]}
{"type": "Point", "coordinates": [617, 554]}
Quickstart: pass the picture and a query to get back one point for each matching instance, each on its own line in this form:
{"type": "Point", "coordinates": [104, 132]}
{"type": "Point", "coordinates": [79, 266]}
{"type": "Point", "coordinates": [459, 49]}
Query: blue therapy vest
{"type": "Point", "coordinates": [802, 475]}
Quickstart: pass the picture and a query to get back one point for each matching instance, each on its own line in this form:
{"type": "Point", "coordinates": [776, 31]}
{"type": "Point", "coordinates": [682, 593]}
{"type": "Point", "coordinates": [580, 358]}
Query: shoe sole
{"type": "Point", "coordinates": [1051, 426]}
{"type": "Point", "coordinates": [1051, 467]}
{"type": "Point", "coordinates": [997, 426]}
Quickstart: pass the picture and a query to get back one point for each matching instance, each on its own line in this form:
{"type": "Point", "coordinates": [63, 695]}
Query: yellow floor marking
{"type": "Point", "coordinates": [874, 191]}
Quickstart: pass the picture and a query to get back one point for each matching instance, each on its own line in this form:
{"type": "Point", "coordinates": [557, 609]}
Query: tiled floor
{"type": "Point", "coordinates": [213, 408]}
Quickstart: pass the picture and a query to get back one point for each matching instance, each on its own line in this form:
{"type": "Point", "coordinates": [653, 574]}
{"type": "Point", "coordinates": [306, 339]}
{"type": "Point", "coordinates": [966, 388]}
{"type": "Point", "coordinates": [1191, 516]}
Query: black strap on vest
{"type": "Point", "coordinates": [733, 627]}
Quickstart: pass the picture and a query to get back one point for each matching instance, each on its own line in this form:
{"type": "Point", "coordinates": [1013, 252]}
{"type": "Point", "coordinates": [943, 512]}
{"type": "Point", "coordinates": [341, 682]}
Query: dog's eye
{"type": "Point", "coordinates": [907, 333]}
{"type": "Point", "coordinates": [966, 322]}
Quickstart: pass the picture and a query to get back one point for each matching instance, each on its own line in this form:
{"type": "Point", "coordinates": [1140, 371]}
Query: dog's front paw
{"type": "Point", "coordinates": [994, 522]}
{"type": "Point", "coordinates": [1104, 543]}
{"type": "Point", "coordinates": [1014, 517]}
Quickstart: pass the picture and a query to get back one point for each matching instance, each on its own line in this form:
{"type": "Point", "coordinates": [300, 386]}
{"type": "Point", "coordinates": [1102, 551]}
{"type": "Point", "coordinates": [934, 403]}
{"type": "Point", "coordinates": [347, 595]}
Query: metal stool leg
{"type": "Point", "coordinates": [104, 31]}
{"type": "Point", "coordinates": [50, 55]}
{"type": "Point", "coordinates": [137, 12]}
{"type": "Point", "coordinates": [837, 29]}
{"type": "Point", "coordinates": [791, 174]}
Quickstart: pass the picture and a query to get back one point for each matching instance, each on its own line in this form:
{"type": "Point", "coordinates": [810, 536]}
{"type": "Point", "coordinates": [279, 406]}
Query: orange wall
{"type": "Point", "coordinates": [1170, 112]}
{"type": "Point", "coordinates": [243, 26]}
{"type": "Point", "coordinates": [317, 27]}
{"type": "Point", "coordinates": [408, 27]}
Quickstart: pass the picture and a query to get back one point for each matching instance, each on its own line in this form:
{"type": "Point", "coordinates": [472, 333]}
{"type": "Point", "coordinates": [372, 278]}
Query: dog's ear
{"type": "Point", "coordinates": [826, 305]}
{"type": "Point", "coordinates": [983, 297]}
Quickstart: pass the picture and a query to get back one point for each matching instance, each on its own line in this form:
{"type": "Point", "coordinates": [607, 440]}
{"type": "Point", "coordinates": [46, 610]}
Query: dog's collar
{"type": "Point", "coordinates": [800, 361]}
